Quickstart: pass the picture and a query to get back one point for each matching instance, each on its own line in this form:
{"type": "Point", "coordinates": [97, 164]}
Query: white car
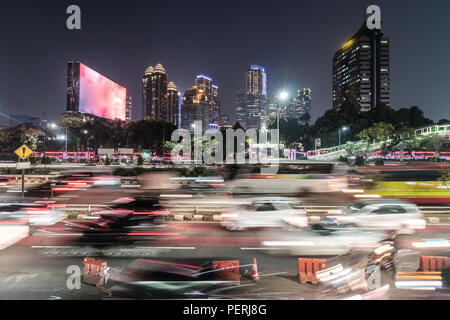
{"type": "Point", "coordinates": [322, 239]}
{"type": "Point", "coordinates": [271, 212]}
{"type": "Point", "coordinates": [385, 214]}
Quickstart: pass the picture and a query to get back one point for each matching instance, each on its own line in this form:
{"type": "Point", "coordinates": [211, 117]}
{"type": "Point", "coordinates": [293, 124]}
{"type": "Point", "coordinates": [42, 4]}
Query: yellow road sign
{"type": "Point", "coordinates": [23, 152]}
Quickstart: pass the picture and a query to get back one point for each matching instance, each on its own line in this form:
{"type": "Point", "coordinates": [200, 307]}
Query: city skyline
{"type": "Point", "coordinates": [295, 66]}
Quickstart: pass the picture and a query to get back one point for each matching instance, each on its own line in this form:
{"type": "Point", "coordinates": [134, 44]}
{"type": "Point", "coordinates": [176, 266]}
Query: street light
{"type": "Point", "coordinates": [343, 129]}
{"type": "Point", "coordinates": [283, 96]}
{"type": "Point", "coordinates": [62, 137]}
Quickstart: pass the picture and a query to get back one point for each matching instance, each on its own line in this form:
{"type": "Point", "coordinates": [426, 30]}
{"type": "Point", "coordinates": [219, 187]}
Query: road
{"type": "Point", "coordinates": [35, 268]}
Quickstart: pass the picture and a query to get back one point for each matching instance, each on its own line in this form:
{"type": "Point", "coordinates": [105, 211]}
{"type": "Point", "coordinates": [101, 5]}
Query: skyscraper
{"type": "Point", "coordinates": [173, 100]}
{"type": "Point", "coordinates": [160, 99]}
{"type": "Point", "coordinates": [257, 80]}
{"type": "Point", "coordinates": [154, 92]}
{"type": "Point", "coordinates": [211, 92]}
{"type": "Point", "coordinates": [196, 106]}
{"type": "Point", "coordinates": [201, 102]}
{"type": "Point", "coordinates": [251, 105]}
{"type": "Point", "coordinates": [301, 104]}
{"type": "Point", "coordinates": [361, 70]}
{"type": "Point", "coordinates": [129, 109]}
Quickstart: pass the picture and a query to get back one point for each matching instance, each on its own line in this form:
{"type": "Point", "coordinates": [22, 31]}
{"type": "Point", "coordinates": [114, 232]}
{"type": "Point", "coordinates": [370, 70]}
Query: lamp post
{"type": "Point", "coordinates": [55, 126]}
{"type": "Point", "coordinates": [343, 129]}
{"type": "Point", "coordinates": [283, 96]}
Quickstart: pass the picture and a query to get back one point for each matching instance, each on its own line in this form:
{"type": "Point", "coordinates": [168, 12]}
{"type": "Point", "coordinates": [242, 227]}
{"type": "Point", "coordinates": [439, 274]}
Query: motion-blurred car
{"type": "Point", "coordinates": [323, 239]}
{"type": "Point", "coordinates": [62, 185]}
{"type": "Point", "coordinates": [33, 213]}
{"type": "Point", "coordinates": [270, 212]}
{"type": "Point", "coordinates": [149, 207]}
{"type": "Point", "coordinates": [385, 214]}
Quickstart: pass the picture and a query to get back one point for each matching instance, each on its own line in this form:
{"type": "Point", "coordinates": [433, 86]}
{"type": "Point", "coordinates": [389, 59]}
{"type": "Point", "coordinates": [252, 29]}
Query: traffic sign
{"type": "Point", "coordinates": [23, 152]}
{"type": "Point", "coordinates": [23, 165]}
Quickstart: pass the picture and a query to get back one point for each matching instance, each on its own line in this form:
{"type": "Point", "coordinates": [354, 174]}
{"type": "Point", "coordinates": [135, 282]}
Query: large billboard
{"type": "Point", "coordinates": [90, 92]}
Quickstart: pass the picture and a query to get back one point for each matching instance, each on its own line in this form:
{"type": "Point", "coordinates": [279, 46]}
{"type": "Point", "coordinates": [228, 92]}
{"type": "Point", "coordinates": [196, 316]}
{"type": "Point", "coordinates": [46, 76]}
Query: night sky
{"type": "Point", "coordinates": [294, 40]}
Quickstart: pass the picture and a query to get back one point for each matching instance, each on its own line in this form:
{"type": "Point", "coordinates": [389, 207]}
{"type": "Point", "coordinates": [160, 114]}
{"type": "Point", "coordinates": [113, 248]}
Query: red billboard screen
{"type": "Point", "coordinates": [100, 96]}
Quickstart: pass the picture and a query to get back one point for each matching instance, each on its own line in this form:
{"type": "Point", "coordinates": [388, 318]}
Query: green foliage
{"type": "Point", "coordinates": [129, 172]}
{"type": "Point", "coordinates": [36, 171]}
{"type": "Point", "coordinates": [140, 160]}
{"type": "Point", "coordinates": [433, 142]}
{"type": "Point", "coordinates": [202, 172]}
{"type": "Point", "coordinates": [445, 176]}
{"type": "Point", "coordinates": [326, 127]}
{"type": "Point", "coordinates": [32, 160]}
{"type": "Point", "coordinates": [46, 160]}
{"type": "Point", "coordinates": [378, 132]}
{"type": "Point", "coordinates": [343, 159]}
{"type": "Point", "coordinates": [107, 161]}
{"type": "Point", "coordinates": [360, 161]}
{"type": "Point", "coordinates": [13, 137]}
{"type": "Point", "coordinates": [379, 162]}
{"type": "Point", "coordinates": [199, 171]}
{"type": "Point", "coordinates": [435, 159]}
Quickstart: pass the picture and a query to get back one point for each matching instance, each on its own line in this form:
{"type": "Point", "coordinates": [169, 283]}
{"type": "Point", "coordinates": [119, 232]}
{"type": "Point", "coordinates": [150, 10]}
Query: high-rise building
{"type": "Point", "coordinates": [211, 92]}
{"type": "Point", "coordinates": [129, 109]}
{"type": "Point", "coordinates": [251, 105]}
{"type": "Point", "coordinates": [300, 105]}
{"type": "Point", "coordinates": [361, 70]}
{"type": "Point", "coordinates": [154, 93]}
{"type": "Point", "coordinates": [201, 102]}
{"type": "Point", "coordinates": [257, 80]}
{"type": "Point", "coordinates": [251, 110]}
{"type": "Point", "coordinates": [173, 103]}
{"type": "Point", "coordinates": [196, 106]}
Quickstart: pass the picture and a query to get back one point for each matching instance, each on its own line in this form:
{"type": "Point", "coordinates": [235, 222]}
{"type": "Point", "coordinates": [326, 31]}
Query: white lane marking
{"type": "Point", "coordinates": [168, 248]}
{"type": "Point", "coordinates": [75, 247]}
{"type": "Point", "coordinates": [259, 248]}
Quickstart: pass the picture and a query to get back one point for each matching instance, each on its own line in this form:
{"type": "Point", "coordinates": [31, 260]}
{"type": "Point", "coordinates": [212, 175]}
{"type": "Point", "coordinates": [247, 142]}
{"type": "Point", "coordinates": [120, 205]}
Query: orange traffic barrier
{"type": "Point", "coordinates": [307, 269]}
{"type": "Point", "coordinates": [255, 274]}
{"type": "Point", "coordinates": [95, 271]}
{"type": "Point", "coordinates": [429, 264]}
{"type": "Point", "coordinates": [227, 270]}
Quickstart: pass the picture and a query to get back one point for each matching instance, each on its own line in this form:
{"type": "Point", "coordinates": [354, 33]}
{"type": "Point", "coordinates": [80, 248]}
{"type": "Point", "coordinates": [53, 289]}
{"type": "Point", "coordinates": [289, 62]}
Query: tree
{"type": "Point", "coordinates": [13, 137]}
{"type": "Point", "coordinates": [377, 133]}
{"type": "Point", "coordinates": [445, 176]}
{"type": "Point", "coordinates": [443, 121]}
{"type": "Point", "coordinates": [434, 141]}
{"type": "Point", "coordinates": [404, 139]}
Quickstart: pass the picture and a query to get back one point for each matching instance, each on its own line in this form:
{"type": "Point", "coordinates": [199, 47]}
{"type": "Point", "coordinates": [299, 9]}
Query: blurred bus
{"type": "Point", "coordinates": [418, 185]}
{"type": "Point", "coordinates": [292, 177]}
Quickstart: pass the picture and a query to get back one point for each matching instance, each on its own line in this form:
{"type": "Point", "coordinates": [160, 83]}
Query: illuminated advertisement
{"type": "Point", "coordinates": [90, 92]}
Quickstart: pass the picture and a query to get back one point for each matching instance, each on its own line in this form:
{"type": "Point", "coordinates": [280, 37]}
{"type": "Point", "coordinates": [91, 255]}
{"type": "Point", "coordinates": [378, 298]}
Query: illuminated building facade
{"type": "Point", "coordinates": [160, 99]}
{"type": "Point", "coordinates": [173, 103]}
{"type": "Point", "coordinates": [196, 106]}
{"type": "Point", "coordinates": [201, 103]}
{"type": "Point", "coordinates": [251, 105]}
{"type": "Point", "coordinates": [361, 70]}
{"type": "Point", "coordinates": [301, 104]}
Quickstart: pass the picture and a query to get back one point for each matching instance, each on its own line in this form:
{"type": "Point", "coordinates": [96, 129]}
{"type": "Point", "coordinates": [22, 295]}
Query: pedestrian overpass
{"type": "Point", "coordinates": [334, 153]}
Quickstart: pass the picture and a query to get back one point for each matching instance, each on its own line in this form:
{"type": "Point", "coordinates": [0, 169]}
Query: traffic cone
{"type": "Point", "coordinates": [255, 274]}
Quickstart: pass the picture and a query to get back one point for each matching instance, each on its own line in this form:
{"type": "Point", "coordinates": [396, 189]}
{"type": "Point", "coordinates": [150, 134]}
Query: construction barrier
{"type": "Point", "coordinates": [227, 270]}
{"type": "Point", "coordinates": [95, 271]}
{"type": "Point", "coordinates": [307, 269]}
{"type": "Point", "coordinates": [430, 264]}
